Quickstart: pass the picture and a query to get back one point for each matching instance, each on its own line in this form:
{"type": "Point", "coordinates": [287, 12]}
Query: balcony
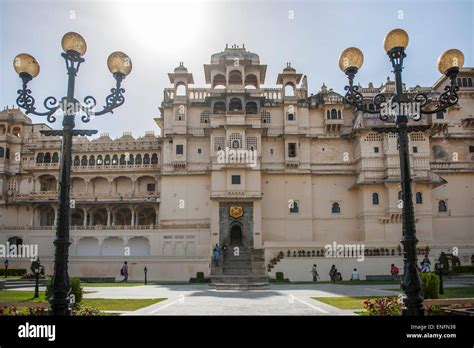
{"type": "Point", "coordinates": [333, 127]}
{"type": "Point", "coordinates": [42, 196]}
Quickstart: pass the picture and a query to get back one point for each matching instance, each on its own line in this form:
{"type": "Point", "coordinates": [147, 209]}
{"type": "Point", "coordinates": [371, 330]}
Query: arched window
{"type": "Point", "coordinates": [131, 160]}
{"type": "Point", "coordinates": [107, 160]}
{"type": "Point", "coordinates": [235, 77]}
{"type": "Point", "coordinates": [55, 157]}
{"type": "Point", "coordinates": [294, 207]}
{"type": "Point", "coordinates": [84, 161]}
{"type": "Point", "coordinates": [16, 132]}
{"type": "Point", "coordinates": [335, 209]}
{"type": "Point", "coordinates": [154, 159]}
{"type": "Point", "coordinates": [100, 160]}
{"type": "Point", "coordinates": [235, 141]}
{"type": "Point", "coordinates": [251, 108]}
{"type": "Point", "coordinates": [180, 89]}
{"type": "Point", "coordinates": [219, 81]}
{"type": "Point", "coordinates": [114, 160]}
{"type": "Point", "coordinates": [77, 161]}
{"type": "Point", "coordinates": [251, 81]}
{"type": "Point", "coordinates": [328, 115]}
{"type": "Point", "coordinates": [47, 157]}
{"type": "Point", "coordinates": [442, 208]}
{"type": "Point", "coordinates": [2, 153]}
{"type": "Point", "coordinates": [375, 198]}
{"type": "Point", "coordinates": [138, 159]}
{"type": "Point", "coordinates": [333, 114]}
{"type": "Point", "coordinates": [289, 90]}
{"type": "Point", "coordinates": [146, 159]}
{"type": "Point", "coordinates": [7, 153]}
{"type": "Point", "coordinates": [92, 160]}
{"type": "Point", "coordinates": [469, 82]}
{"type": "Point", "coordinates": [464, 82]}
{"type": "Point", "coordinates": [339, 114]}
{"type": "Point", "coordinates": [122, 159]}
{"type": "Point", "coordinates": [459, 84]}
{"type": "Point", "coordinates": [219, 107]}
{"type": "Point", "coordinates": [291, 116]}
{"type": "Point", "coordinates": [235, 104]}
{"type": "Point", "coordinates": [419, 198]}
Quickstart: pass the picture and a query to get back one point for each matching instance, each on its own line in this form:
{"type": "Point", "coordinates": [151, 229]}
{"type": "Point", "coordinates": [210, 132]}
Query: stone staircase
{"type": "Point", "coordinates": [243, 272]}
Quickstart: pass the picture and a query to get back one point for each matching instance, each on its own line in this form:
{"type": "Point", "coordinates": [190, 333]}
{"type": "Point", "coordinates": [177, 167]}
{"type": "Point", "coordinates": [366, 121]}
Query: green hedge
{"type": "Point", "coordinates": [76, 290]}
{"type": "Point", "coordinates": [13, 272]}
{"type": "Point", "coordinates": [463, 269]}
{"type": "Point", "coordinates": [430, 285]}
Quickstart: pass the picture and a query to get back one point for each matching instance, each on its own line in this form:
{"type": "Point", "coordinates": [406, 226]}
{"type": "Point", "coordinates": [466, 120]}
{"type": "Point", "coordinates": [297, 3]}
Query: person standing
{"type": "Point", "coordinates": [426, 264]}
{"type": "Point", "coordinates": [124, 272]}
{"type": "Point", "coordinates": [332, 273]}
{"type": "Point", "coordinates": [216, 254]}
{"type": "Point", "coordinates": [314, 271]}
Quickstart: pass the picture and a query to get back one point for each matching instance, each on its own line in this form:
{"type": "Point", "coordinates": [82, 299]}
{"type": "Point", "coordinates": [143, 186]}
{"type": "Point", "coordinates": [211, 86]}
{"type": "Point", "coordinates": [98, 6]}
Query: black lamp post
{"type": "Point", "coordinates": [6, 267]}
{"type": "Point", "coordinates": [69, 107]}
{"type": "Point", "coordinates": [37, 269]}
{"type": "Point", "coordinates": [440, 267]}
{"type": "Point", "coordinates": [399, 106]}
{"type": "Point", "coordinates": [145, 270]}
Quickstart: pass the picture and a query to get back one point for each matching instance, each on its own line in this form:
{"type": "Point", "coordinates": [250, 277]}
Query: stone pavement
{"type": "Point", "coordinates": [281, 299]}
{"type": "Point", "coordinates": [276, 300]}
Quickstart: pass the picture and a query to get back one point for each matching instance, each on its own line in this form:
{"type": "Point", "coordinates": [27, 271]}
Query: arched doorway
{"type": "Point", "coordinates": [236, 235]}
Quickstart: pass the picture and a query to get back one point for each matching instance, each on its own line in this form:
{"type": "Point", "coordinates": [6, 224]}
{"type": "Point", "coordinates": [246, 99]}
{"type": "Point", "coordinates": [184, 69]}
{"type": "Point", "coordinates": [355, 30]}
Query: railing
{"type": "Point", "coordinates": [102, 195]}
{"type": "Point", "coordinates": [452, 165]}
{"type": "Point", "coordinates": [81, 227]}
{"type": "Point", "coordinates": [97, 166]}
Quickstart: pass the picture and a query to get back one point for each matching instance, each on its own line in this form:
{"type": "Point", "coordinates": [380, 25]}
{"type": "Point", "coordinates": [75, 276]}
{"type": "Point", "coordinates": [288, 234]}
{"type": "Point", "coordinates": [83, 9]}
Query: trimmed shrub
{"type": "Point", "coordinates": [200, 275]}
{"type": "Point", "coordinates": [30, 311]}
{"type": "Point", "coordinates": [279, 275]}
{"type": "Point", "coordinates": [463, 269]}
{"type": "Point", "coordinates": [13, 272]}
{"type": "Point", "coordinates": [76, 290]}
{"type": "Point", "coordinates": [430, 285]}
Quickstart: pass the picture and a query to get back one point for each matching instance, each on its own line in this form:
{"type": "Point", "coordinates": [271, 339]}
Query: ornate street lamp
{"type": "Point", "coordinates": [145, 270]}
{"type": "Point", "coordinates": [449, 64]}
{"type": "Point", "coordinates": [27, 67]}
{"type": "Point", "coordinates": [6, 267]}
{"type": "Point", "coordinates": [37, 268]}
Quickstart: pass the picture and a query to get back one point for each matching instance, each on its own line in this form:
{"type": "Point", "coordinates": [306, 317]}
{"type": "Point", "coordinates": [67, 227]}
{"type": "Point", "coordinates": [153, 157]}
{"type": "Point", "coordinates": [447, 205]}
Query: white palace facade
{"type": "Point", "coordinates": [322, 175]}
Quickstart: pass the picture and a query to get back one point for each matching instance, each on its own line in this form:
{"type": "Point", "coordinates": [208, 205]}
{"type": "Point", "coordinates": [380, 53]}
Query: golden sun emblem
{"type": "Point", "coordinates": [236, 212]}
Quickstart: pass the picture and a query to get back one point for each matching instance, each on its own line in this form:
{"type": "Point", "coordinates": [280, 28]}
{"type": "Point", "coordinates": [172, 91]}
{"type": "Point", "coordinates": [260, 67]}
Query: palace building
{"type": "Point", "coordinates": [321, 175]}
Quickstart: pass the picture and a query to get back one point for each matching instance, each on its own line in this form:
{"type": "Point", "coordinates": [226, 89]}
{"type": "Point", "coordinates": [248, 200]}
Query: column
{"type": "Point", "coordinates": [156, 215]}
{"type": "Point", "coordinates": [133, 215]}
{"type": "Point", "coordinates": [55, 216]}
{"type": "Point", "coordinates": [33, 209]}
{"type": "Point", "coordinates": [85, 216]}
{"type": "Point", "coordinates": [108, 216]}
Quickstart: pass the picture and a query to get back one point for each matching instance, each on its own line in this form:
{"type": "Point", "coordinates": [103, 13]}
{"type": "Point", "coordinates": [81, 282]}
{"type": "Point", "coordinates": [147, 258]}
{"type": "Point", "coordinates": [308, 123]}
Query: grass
{"type": "Point", "coordinates": [118, 284]}
{"type": "Point", "coordinates": [458, 292]}
{"type": "Point", "coordinates": [104, 304]}
{"type": "Point", "coordinates": [349, 282]}
{"type": "Point", "coordinates": [345, 302]}
{"type": "Point", "coordinates": [357, 303]}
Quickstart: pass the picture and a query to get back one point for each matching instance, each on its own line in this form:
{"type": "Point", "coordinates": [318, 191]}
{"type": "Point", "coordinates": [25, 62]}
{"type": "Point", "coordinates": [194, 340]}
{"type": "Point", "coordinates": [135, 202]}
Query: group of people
{"type": "Point", "coordinates": [334, 274]}
{"type": "Point", "coordinates": [216, 253]}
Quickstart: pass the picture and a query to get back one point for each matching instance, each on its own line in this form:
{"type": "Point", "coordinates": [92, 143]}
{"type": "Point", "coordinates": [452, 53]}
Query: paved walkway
{"type": "Point", "coordinates": [281, 299]}
{"type": "Point", "coordinates": [276, 300]}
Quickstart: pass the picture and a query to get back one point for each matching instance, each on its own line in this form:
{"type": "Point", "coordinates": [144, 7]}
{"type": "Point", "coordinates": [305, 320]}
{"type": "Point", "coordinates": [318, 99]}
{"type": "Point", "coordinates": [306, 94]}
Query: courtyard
{"type": "Point", "coordinates": [198, 299]}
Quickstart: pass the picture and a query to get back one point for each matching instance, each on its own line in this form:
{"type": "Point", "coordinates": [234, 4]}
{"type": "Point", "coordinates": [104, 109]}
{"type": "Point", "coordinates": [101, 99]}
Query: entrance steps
{"type": "Point", "coordinates": [245, 271]}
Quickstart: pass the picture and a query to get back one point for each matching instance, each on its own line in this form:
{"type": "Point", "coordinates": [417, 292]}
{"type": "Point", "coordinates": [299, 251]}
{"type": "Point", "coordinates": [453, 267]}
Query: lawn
{"type": "Point", "coordinates": [104, 304]}
{"type": "Point", "coordinates": [118, 284]}
{"type": "Point", "coordinates": [358, 302]}
{"type": "Point", "coordinates": [349, 282]}
{"type": "Point", "coordinates": [458, 292]}
{"type": "Point", "coordinates": [345, 302]}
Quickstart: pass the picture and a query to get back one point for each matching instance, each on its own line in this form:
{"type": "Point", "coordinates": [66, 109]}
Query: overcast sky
{"type": "Point", "coordinates": [157, 35]}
